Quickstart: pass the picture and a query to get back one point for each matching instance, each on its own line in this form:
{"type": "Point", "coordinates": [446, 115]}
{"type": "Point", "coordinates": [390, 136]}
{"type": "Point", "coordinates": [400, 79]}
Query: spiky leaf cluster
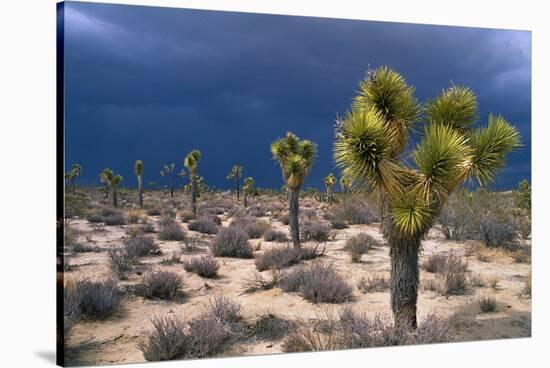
{"type": "Point", "coordinates": [295, 157]}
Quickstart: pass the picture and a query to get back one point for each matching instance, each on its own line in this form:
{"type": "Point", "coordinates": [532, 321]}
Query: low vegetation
{"type": "Point", "coordinates": [204, 266]}
{"type": "Point", "coordinates": [231, 242]}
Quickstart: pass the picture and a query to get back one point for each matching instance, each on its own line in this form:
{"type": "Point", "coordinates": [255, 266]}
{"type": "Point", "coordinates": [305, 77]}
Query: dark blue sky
{"type": "Point", "coordinates": [153, 83]}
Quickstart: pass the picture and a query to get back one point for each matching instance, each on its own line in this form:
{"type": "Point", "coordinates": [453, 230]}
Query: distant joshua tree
{"type": "Point", "coordinates": [370, 140]}
{"type": "Point", "coordinates": [247, 189]}
{"type": "Point", "coordinates": [115, 181]}
{"type": "Point", "coordinates": [169, 171]}
{"type": "Point", "coordinates": [191, 162]}
{"type": "Point", "coordinates": [70, 177]}
{"type": "Point", "coordinates": [236, 174]}
{"type": "Point", "coordinates": [330, 180]}
{"type": "Point", "coordinates": [295, 157]}
{"type": "Point", "coordinates": [105, 178]}
{"type": "Point", "coordinates": [138, 169]}
{"type": "Point", "coordinates": [345, 184]}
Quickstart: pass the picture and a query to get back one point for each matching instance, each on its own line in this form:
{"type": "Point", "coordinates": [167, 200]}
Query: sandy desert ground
{"type": "Point", "coordinates": [114, 340]}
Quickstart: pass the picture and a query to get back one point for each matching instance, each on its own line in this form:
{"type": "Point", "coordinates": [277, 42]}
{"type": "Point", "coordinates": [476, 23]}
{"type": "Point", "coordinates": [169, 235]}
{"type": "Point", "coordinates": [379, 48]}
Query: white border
{"type": "Point", "coordinates": [27, 184]}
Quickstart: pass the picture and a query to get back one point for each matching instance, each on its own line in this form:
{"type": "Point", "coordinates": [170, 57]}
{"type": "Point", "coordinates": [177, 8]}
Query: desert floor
{"type": "Point", "coordinates": [114, 340]}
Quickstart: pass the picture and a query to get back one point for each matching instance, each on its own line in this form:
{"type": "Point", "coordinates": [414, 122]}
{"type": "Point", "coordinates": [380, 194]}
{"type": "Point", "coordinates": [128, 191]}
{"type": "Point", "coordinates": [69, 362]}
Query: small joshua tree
{"type": "Point", "coordinates": [169, 172]}
{"type": "Point", "coordinates": [236, 174]}
{"type": "Point", "coordinates": [70, 177]}
{"type": "Point", "coordinates": [191, 162]}
{"type": "Point", "coordinates": [247, 189]}
{"type": "Point", "coordinates": [330, 180]}
{"type": "Point", "coordinates": [105, 178]}
{"type": "Point", "coordinates": [115, 181]}
{"type": "Point", "coordinates": [345, 184]}
{"type": "Point", "coordinates": [369, 146]}
{"type": "Point", "coordinates": [138, 169]}
{"type": "Point", "coordinates": [524, 194]}
{"type": "Point", "coordinates": [295, 157]}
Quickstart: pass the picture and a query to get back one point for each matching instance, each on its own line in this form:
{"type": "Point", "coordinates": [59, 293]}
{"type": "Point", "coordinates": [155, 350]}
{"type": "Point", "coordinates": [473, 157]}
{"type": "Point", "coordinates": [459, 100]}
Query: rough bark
{"type": "Point", "coordinates": [404, 281]}
{"type": "Point", "coordinates": [172, 189]}
{"type": "Point", "coordinates": [245, 199]}
{"type": "Point", "coordinates": [106, 190]}
{"type": "Point", "coordinates": [293, 209]}
{"type": "Point", "coordinates": [383, 209]}
{"type": "Point", "coordinates": [140, 192]}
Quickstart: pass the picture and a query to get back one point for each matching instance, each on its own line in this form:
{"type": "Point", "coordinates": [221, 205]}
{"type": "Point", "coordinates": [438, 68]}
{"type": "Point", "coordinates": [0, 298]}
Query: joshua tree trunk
{"type": "Point", "coordinates": [245, 200]}
{"type": "Point", "coordinates": [140, 192]}
{"type": "Point", "coordinates": [293, 208]}
{"type": "Point", "coordinates": [383, 209]}
{"type": "Point", "coordinates": [404, 281]}
{"type": "Point", "coordinates": [115, 197]}
{"type": "Point", "coordinates": [106, 190]}
{"type": "Point", "coordinates": [172, 189]}
{"type": "Point", "coordinates": [194, 194]}
{"type": "Point", "coordinates": [238, 189]}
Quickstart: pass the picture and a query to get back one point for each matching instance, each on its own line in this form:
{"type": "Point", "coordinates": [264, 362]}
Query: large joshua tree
{"type": "Point", "coordinates": [105, 178]}
{"type": "Point", "coordinates": [191, 162]}
{"type": "Point", "coordinates": [236, 174]}
{"type": "Point", "coordinates": [247, 189]}
{"type": "Point", "coordinates": [295, 157]}
{"type": "Point", "coordinates": [330, 180]}
{"type": "Point", "coordinates": [138, 169]}
{"type": "Point", "coordinates": [369, 146]}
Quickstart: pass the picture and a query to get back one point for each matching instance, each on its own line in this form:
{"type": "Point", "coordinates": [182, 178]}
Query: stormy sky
{"type": "Point", "coordinates": [153, 83]}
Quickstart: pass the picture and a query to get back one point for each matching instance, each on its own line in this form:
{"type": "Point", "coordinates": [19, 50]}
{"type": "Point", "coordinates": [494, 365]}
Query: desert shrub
{"type": "Point", "coordinates": [94, 217]}
{"type": "Point", "coordinates": [284, 219]}
{"type": "Point", "coordinates": [186, 216]}
{"type": "Point", "coordinates": [75, 204]}
{"type": "Point", "coordinates": [154, 211]}
{"type": "Point", "coordinates": [256, 211]}
{"type": "Point", "coordinates": [133, 216]}
{"type": "Point", "coordinates": [231, 242]}
{"type": "Point", "coordinates": [308, 213]}
{"type": "Point", "coordinates": [487, 303]}
{"type": "Point", "coordinates": [275, 236]}
{"type": "Point", "coordinates": [352, 330]}
{"type": "Point", "coordinates": [120, 261]}
{"type": "Point", "coordinates": [476, 280]}
{"type": "Point", "coordinates": [205, 266]}
{"type": "Point", "coordinates": [171, 231]}
{"type": "Point", "coordinates": [436, 263]}
{"type": "Point", "coordinates": [318, 283]}
{"type": "Point", "coordinates": [378, 282]}
{"type": "Point", "coordinates": [167, 217]}
{"type": "Point", "coordinates": [354, 212]}
{"type": "Point", "coordinates": [256, 281]}
{"type": "Point", "coordinates": [213, 210]}
{"type": "Point", "coordinates": [269, 326]}
{"type": "Point", "coordinates": [147, 228]}
{"type": "Point", "coordinates": [223, 308]}
{"type": "Point", "coordinates": [166, 341]}
{"type": "Point", "coordinates": [338, 224]}
{"type": "Point", "coordinates": [162, 285]}
{"type": "Point", "coordinates": [71, 310]}
{"type": "Point", "coordinates": [358, 245]}
{"type": "Point", "coordinates": [497, 234]}
{"type": "Point", "coordinates": [84, 248]}
{"type": "Point", "coordinates": [207, 337]}
{"type": "Point", "coordinates": [114, 219]}
{"type": "Point", "coordinates": [97, 299]}
{"type": "Point", "coordinates": [204, 225]}
{"type": "Point", "coordinates": [456, 220]}
{"type": "Point", "coordinates": [133, 231]}
{"type": "Point", "coordinates": [281, 257]}
{"type": "Point", "coordinates": [493, 282]}
{"type": "Point", "coordinates": [173, 258]}
{"type": "Point", "coordinates": [256, 229]}
{"type": "Point", "coordinates": [315, 231]}
{"type": "Point", "coordinates": [141, 246]}
{"type": "Point", "coordinates": [452, 274]}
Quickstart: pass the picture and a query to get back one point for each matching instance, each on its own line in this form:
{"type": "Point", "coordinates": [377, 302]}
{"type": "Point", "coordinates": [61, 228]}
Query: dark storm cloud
{"type": "Point", "coordinates": [153, 83]}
